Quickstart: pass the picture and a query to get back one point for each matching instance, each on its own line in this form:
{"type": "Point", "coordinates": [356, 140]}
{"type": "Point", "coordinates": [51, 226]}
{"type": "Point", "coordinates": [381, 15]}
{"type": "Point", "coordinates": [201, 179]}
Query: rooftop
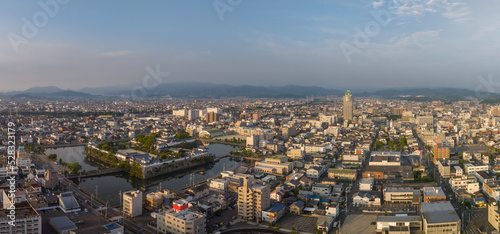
{"type": "Point", "coordinates": [439, 212]}
{"type": "Point", "coordinates": [434, 191]}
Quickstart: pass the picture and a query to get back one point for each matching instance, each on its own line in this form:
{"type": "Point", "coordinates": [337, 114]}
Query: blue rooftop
{"type": "Point", "coordinates": [276, 208]}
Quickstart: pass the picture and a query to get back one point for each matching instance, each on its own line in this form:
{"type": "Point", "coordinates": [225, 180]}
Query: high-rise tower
{"type": "Point", "coordinates": [348, 105]}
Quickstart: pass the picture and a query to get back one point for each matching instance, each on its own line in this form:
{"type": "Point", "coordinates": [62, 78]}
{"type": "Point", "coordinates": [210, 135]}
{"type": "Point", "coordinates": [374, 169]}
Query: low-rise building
{"type": "Point", "coordinates": [473, 168]}
{"type": "Point", "coordinates": [342, 174]}
{"type": "Point", "coordinates": [399, 224]}
{"type": "Point", "coordinates": [185, 221]}
{"type": "Point", "coordinates": [432, 194]}
{"type": "Point", "coordinates": [219, 184]}
{"type": "Point", "coordinates": [297, 207]}
{"type": "Point", "coordinates": [439, 217]}
{"type": "Point", "coordinates": [366, 184]}
{"type": "Point", "coordinates": [273, 213]}
{"type": "Point", "coordinates": [275, 165]}
{"type": "Point", "coordinates": [402, 195]}
{"type": "Point", "coordinates": [322, 190]}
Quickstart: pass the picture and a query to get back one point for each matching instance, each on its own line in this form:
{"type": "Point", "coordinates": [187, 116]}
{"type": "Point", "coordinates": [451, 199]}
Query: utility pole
{"type": "Point", "coordinates": [121, 199]}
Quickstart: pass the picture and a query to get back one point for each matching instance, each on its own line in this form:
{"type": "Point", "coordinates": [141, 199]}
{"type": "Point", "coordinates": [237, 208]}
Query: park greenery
{"type": "Point", "coordinates": [33, 148]}
{"type": "Point", "coordinates": [73, 167]}
{"type": "Point", "coordinates": [393, 145]}
{"type": "Point", "coordinates": [52, 157]}
{"type": "Point", "coordinates": [245, 153]}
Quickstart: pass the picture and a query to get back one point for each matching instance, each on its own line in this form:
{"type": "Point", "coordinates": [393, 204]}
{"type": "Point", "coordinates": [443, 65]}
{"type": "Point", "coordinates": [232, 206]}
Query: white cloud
{"type": "Point", "coordinates": [416, 39]}
{"type": "Point", "coordinates": [457, 12]}
{"type": "Point", "coordinates": [484, 30]}
{"type": "Point", "coordinates": [378, 4]}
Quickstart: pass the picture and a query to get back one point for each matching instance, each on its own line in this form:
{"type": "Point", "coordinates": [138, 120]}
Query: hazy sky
{"type": "Point", "coordinates": [87, 43]}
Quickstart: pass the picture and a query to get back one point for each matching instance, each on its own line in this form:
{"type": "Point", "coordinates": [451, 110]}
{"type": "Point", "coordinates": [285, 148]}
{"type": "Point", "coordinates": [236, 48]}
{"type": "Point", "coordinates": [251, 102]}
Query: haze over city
{"type": "Point", "coordinates": [79, 44]}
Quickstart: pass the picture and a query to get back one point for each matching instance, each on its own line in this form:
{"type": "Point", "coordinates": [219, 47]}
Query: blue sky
{"type": "Point", "coordinates": [92, 43]}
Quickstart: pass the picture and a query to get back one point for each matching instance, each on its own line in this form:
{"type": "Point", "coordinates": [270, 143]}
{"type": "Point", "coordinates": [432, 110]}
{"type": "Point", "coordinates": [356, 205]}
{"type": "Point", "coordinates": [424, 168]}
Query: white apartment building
{"type": "Point", "coordinates": [219, 184]}
{"type": "Point", "coordinates": [132, 203]}
{"type": "Point", "coordinates": [471, 169]}
{"type": "Point", "coordinates": [470, 185]}
{"type": "Point", "coordinates": [309, 149]}
{"type": "Point", "coordinates": [366, 184]}
{"type": "Point", "coordinates": [180, 222]}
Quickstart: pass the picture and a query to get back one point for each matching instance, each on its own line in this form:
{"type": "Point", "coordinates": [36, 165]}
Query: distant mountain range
{"type": "Point", "coordinates": [209, 90]}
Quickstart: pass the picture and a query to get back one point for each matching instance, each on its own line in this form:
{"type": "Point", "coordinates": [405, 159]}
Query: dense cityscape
{"type": "Point", "coordinates": [249, 117]}
{"type": "Point", "coordinates": [309, 165]}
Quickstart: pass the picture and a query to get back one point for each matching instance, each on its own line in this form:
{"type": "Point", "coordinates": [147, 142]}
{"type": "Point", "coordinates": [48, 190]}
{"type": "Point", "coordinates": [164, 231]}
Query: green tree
{"type": "Point", "coordinates": [182, 135]}
{"type": "Point", "coordinates": [74, 167]}
{"type": "Point", "coordinates": [52, 157]}
{"type": "Point", "coordinates": [377, 145]}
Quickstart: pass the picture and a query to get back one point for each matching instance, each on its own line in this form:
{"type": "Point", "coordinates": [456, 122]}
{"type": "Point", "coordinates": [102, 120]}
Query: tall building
{"type": "Point", "coordinates": [50, 179]}
{"type": "Point", "coordinates": [27, 220]}
{"type": "Point", "coordinates": [181, 221]}
{"type": "Point", "coordinates": [441, 152]}
{"type": "Point", "coordinates": [212, 117]}
{"type": "Point", "coordinates": [252, 199]}
{"type": "Point", "coordinates": [192, 114]}
{"type": "Point", "coordinates": [132, 203]}
{"type": "Point", "coordinates": [348, 105]}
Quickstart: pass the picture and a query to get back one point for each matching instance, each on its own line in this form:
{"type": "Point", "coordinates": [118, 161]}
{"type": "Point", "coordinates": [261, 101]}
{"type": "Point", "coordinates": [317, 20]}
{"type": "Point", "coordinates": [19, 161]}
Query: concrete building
{"type": "Point", "coordinates": [471, 169]}
{"type": "Point", "coordinates": [296, 153]}
{"type": "Point", "coordinates": [211, 117]}
{"type": "Point", "coordinates": [441, 152]}
{"type": "Point", "coordinates": [219, 184]}
{"type": "Point", "coordinates": [132, 203]}
{"type": "Point", "coordinates": [27, 220]}
{"type": "Point", "coordinates": [378, 158]}
{"type": "Point", "coordinates": [348, 106]}
{"type": "Point", "coordinates": [399, 224]}
{"type": "Point", "coordinates": [184, 221]}
{"type": "Point", "coordinates": [402, 195]}
{"type": "Point", "coordinates": [50, 180]}
{"type": "Point", "coordinates": [439, 217]}
{"type": "Point", "coordinates": [342, 174]}
{"type": "Point", "coordinates": [252, 199]}
{"type": "Point", "coordinates": [464, 182]}
{"type": "Point", "coordinates": [366, 184]}
{"type": "Point", "coordinates": [275, 165]}
{"type": "Point", "coordinates": [432, 194]}
{"type": "Point", "coordinates": [322, 190]}
{"type": "Point", "coordinates": [494, 215]}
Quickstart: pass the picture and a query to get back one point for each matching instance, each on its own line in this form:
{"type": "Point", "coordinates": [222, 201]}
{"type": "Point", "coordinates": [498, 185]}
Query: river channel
{"type": "Point", "coordinates": [108, 187]}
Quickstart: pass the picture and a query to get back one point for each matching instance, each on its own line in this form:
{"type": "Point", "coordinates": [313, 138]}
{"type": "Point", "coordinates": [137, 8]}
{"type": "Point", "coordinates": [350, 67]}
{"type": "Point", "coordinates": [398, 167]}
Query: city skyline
{"type": "Point", "coordinates": [75, 45]}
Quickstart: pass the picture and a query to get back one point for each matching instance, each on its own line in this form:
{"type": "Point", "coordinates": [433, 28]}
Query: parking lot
{"type": "Point", "coordinates": [225, 217]}
{"type": "Point", "coordinates": [359, 224]}
{"type": "Point", "coordinates": [301, 223]}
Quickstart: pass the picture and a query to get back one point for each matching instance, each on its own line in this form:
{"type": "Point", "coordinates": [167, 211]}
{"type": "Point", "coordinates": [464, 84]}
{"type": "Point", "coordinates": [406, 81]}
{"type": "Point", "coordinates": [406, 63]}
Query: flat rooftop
{"type": "Point", "coordinates": [439, 212]}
